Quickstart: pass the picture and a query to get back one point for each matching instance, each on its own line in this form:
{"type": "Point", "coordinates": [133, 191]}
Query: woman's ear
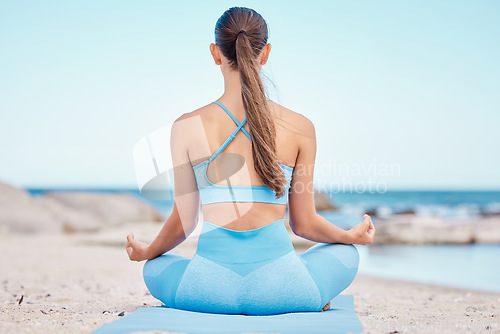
{"type": "Point", "coordinates": [265, 53]}
{"type": "Point", "coordinates": [215, 51]}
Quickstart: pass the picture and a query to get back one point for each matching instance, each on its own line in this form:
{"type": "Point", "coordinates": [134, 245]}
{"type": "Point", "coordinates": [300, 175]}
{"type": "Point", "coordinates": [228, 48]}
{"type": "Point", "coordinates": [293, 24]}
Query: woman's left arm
{"type": "Point", "coordinates": [184, 217]}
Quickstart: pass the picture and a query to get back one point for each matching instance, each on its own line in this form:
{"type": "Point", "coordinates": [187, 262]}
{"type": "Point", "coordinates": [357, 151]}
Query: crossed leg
{"type": "Point", "coordinates": [163, 274]}
{"type": "Point", "coordinates": [332, 267]}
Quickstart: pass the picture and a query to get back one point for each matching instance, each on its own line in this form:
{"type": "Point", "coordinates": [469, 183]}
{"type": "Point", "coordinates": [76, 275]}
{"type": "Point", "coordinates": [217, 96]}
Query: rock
{"type": "Point", "coordinates": [20, 214]}
{"type": "Point", "coordinates": [371, 212]}
{"type": "Point", "coordinates": [406, 212]}
{"type": "Point", "coordinates": [416, 230]}
{"type": "Point", "coordinates": [488, 231]}
{"type": "Point", "coordinates": [90, 211]}
{"type": "Point", "coordinates": [411, 229]}
{"type": "Point", "coordinates": [322, 202]}
{"type": "Point", "coordinates": [14, 219]}
{"type": "Point", "coordinates": [13, 196]}
{"type": "Point", "coordinates": [56, 212]}
{"type": "Point", "coordinates": [70, 220]}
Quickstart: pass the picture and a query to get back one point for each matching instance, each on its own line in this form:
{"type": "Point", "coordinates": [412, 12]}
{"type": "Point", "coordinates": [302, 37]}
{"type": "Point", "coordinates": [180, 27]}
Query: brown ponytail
{"type": "Point", "coordinates": [241, 33]}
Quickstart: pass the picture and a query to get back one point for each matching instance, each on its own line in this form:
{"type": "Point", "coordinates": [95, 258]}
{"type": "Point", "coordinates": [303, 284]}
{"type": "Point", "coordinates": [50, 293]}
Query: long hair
{"type": "Point", "coordinates": [242, 48]}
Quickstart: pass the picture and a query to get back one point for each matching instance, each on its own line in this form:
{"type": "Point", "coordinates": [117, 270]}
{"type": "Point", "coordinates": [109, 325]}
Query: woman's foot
{"type": "Point", "coordinates": [327, 306]}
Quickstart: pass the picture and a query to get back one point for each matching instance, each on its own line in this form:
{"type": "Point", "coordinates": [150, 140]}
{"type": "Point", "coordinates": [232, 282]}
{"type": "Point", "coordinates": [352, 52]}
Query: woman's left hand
{"type": "Point", "coordinates": [136, 250]}
{"type": "Point", "coordinates": [363, 233]}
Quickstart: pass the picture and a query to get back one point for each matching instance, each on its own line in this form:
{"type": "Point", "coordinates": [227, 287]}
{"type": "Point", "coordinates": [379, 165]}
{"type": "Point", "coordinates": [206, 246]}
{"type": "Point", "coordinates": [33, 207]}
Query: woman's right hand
{"type": "Point", "coordinates": [136, 250]}
{"type": "Point", "coordinates": [363, 233]}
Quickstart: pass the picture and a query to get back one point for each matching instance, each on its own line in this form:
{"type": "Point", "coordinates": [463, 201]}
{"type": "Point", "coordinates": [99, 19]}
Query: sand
{"type": "Point", "coordinates": [76, 283]}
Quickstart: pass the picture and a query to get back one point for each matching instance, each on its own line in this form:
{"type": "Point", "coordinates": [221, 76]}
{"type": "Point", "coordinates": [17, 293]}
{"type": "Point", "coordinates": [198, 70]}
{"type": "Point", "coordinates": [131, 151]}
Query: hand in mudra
{"type": "Point", "coordinates": [363, 233]}
{"type": "Point", "coordinates": [136, 250]}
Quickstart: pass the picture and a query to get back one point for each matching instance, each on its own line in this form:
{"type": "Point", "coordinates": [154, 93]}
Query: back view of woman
{"type": "Point", "coordinates": [241, 157]}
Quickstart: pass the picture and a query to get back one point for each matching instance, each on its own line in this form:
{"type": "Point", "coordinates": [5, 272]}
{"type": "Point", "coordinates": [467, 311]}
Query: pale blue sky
{"type": "Point", "coordinates": [412, 84]}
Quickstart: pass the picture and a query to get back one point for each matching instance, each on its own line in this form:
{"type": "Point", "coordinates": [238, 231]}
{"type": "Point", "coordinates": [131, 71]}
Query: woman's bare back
{"type": "Point", "coordinates": [217, 127]}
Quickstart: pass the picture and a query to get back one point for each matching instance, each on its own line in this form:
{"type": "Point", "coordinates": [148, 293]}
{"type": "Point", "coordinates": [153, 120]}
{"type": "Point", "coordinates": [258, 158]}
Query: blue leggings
{"type": "Point", "coordinates": [253, 272]}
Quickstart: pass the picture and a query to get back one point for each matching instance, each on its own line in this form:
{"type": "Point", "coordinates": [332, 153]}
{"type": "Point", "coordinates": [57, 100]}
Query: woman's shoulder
{"type": "Point", "coordinates": [285, 117]}
{"type": "Point", "coordinates": [202, 112]}
{"type": "Point", "coordinates": [193, 122]}
{"type": "Point", "coordinates": [291, 119]}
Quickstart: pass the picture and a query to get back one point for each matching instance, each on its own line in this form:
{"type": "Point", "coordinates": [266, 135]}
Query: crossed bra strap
{"type": "Point", "coordinates": [233, 118]}
{"type": "Point", "coordinates": [228, 140]}
{"type": "Point", "coordinates": [231, 137]}
{"type": "Point", "coordinates": [213, 193]}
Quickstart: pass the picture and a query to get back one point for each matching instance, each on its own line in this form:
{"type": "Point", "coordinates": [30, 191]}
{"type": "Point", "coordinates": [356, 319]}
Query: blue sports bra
{"type": "Point", "coordinates": [211, 193]}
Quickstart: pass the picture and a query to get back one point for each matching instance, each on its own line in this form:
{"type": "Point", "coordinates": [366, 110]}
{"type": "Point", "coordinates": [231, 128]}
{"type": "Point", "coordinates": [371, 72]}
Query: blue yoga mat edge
{"type": "Point", "coordinates": [340, 318]}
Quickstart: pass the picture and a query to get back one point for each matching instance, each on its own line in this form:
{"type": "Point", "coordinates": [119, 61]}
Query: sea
{"type": "Point", "coordinates": [475, 266]}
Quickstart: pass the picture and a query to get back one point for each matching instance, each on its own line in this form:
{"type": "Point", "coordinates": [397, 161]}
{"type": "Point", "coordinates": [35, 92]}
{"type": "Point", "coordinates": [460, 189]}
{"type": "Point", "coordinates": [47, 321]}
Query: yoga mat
{"type": "Point", "coordinates": [340, 318]}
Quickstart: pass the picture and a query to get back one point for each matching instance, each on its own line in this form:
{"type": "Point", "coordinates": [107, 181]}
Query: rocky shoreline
{"type": "Point", "coordinates": [68, 212]}
{"type": "Point", "coordinates": [411, 229]}
{"type": "Point", "coordinates": [63, 212]}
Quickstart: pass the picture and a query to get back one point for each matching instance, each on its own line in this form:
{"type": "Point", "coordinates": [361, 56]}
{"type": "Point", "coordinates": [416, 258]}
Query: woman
{"type": "Point", "coordinates": [241, 157]}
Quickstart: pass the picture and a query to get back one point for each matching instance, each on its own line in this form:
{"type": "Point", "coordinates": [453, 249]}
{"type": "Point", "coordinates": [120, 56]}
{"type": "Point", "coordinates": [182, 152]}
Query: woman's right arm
{"type": "Point", "coordinates": [172, 234]}
{"type": "Point", "coordinates": [304, 220]}
{"type": "Point", "coordinates": [184, 217]}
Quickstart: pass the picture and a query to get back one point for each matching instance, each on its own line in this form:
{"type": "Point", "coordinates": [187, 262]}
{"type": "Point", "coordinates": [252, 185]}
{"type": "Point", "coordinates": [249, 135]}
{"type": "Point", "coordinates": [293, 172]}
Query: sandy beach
{"type": "Point", "coordinates": [77, 282]}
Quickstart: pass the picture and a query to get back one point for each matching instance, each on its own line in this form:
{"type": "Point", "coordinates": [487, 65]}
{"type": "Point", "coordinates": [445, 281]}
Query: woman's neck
{"type": "Point", "coordinates": [232, 93]}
